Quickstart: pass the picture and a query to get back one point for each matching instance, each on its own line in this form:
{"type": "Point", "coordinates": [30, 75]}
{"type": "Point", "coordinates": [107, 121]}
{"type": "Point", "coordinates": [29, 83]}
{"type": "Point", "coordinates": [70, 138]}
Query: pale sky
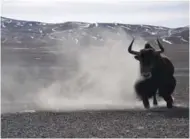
{"type": "Point", "coordinates": [167, 13]}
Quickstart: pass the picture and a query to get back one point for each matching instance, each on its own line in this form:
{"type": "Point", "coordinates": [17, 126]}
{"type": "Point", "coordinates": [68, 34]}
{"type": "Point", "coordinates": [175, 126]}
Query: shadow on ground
{"type": "Point", "coordinates": [175, 112]}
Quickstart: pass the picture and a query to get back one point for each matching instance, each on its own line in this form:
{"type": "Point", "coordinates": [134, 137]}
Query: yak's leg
{"type": "Point", "coordinates": [167, 89]}
{"type": "Point", "coordinates": [169, 101]}
{"type": "Point", "coordinates": [146, 102]}
{"type": "Point", "coordinates": [155, 102]}
{"type": "Point", "coordinates": [144, 89]}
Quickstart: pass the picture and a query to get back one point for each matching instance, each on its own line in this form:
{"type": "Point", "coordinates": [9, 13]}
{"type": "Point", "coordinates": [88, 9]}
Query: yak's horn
{"type": "Point", "coordinates": [130, 49]}
{"type": "Point", "coordinates": [160, 46]}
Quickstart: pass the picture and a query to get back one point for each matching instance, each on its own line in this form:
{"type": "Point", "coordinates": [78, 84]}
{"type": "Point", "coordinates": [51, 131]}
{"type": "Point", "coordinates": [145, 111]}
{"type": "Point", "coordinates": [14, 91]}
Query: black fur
{"type": "Point", "coordinates": [162, 77]}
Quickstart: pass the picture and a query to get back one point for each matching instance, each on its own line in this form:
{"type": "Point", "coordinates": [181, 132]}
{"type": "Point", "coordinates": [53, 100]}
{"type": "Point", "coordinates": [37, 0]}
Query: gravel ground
{"type": "Point", "coordinates": [158, 122]}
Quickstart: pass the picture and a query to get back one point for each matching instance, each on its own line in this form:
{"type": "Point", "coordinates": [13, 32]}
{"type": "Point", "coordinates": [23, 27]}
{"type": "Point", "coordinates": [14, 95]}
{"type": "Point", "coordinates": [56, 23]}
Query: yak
{"type": "Point", "coordinates": [157, 75]}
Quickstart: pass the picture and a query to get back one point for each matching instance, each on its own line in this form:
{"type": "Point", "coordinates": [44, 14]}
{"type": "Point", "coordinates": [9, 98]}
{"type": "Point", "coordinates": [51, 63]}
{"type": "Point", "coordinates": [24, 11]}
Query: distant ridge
{"type": "Point", "coordinates": [12, 28]}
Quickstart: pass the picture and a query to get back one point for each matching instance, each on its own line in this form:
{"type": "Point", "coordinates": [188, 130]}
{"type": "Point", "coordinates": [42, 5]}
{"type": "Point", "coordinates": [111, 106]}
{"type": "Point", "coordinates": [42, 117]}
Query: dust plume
{"type": "Point", "coordinates": [85, 69]}
{"type": "Point", "coordinates": [103, 78]}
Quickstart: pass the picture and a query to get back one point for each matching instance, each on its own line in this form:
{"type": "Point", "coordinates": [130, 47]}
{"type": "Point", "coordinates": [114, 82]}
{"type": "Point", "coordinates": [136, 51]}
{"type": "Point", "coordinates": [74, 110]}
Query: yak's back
{"type": "Point", "coordinates": [165, 65]}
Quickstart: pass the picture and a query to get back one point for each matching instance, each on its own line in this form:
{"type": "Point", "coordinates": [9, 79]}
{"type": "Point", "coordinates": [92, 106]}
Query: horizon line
{"type": "Point", "coordinates": [90, 22]}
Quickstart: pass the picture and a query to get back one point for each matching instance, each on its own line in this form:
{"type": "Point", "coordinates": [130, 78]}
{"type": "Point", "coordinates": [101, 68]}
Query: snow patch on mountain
{"type": "Point", "coordinates": [164, 40]}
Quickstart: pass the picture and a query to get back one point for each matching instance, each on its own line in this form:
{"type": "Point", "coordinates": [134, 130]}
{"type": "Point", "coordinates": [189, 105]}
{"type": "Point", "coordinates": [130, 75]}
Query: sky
{"type": "Point", "coordinates": [168, 13]}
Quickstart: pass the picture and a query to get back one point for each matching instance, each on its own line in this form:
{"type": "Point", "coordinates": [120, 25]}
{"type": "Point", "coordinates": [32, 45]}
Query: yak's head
{"type": "Point", "coordinates": [147, 58]}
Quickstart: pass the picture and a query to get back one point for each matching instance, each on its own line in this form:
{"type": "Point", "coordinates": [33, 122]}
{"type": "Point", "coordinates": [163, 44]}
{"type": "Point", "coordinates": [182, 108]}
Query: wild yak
{"type": "Point", "coordinates": [157, 73]}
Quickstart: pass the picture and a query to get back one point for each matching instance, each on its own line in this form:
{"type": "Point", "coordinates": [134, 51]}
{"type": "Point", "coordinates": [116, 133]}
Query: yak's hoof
{"type": "Point", "coordinates": [155, 103]}
{"type": "Point", "coordinates": [169, 105]}
{"type": "Point", "coordinates": [147, 106]}
{"type": "Point", "coordinates": [146, 103]}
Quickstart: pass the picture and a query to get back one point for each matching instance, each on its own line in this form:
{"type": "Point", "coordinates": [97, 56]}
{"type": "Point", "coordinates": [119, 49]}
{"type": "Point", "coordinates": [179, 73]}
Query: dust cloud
{"type": "Point", "coordinates": [104, 77]}
{"type": "Point", "coordinates": [87, 73]}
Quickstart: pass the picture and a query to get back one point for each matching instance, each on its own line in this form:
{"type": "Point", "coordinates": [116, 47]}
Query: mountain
{"type": "Point", "coordinates": [19, 31]}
